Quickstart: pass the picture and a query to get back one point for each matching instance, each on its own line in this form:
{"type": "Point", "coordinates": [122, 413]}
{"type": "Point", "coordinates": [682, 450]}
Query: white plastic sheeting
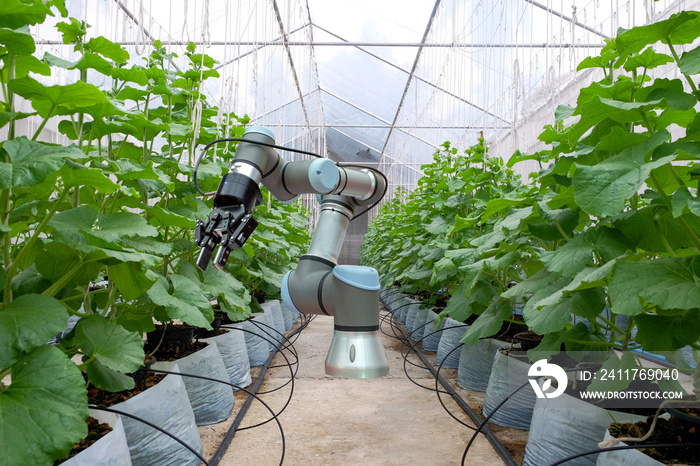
{"type": "Point", "coordinates": [379, 83]}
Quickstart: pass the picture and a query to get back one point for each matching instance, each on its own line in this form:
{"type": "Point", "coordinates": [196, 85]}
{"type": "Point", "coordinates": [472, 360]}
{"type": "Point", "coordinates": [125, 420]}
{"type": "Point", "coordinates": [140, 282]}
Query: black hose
{"type": "Point", "coordinates": [274, 146]}
{"type": "Point", "coordinates": [231, 433]}
{"type": "Point", "coordinates": [274, 416]}
{"type": "Point", "coordinates": [291, 372]}
{"type": "Point", "coordinates": [150, 424]}
{"type": "Point", "coordinates": [497, 445]}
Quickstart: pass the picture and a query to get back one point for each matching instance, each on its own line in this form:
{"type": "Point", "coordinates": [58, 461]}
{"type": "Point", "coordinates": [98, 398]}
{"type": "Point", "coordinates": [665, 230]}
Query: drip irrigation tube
{"type": "Point", "coordinates": [275, 416]}
{"type": "Point", "coordinates": [497, 445]}
{"type": "Point", "coordinates": [228, 438]}
{"type": "Point", "coordinates": [150, 424]}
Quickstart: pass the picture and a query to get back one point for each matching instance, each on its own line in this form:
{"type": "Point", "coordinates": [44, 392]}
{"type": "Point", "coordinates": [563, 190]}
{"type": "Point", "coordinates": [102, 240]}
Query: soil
{"type": "Point", "coordinates": [178, 350]}
{"type": "Point", "coordinates": [665, 432]}
{"type": "Point", "coordinates": [528, 339]}
{"type": "Point", "coordinates": [202, 333]}
{"type": "Point", "coordinates": [96, 431]}
{"type": "Point", "coordinates": [225, 320]}
{"type": "Point", "coordinates": [104, 398]}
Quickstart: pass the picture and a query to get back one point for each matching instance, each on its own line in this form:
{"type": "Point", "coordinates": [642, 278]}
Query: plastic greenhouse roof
{"type": "Point", "coordinates": [382, 82]}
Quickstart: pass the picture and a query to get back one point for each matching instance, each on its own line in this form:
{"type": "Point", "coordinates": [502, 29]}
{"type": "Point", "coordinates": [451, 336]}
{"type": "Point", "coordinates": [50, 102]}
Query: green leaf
{"type": "Point", "coordinates": [668, 332]}
{"type": "Point", "coordinates": [27, 322]}
{"type": "Point", "coordinates": [80, 176]}
{"type": "Point", "coordinates": [6, 117]}
{"type": "Point", "coordinates": [186, 301]}
{"type": "Point", "coordinates": [57, 258]}
{"type": "Point", "coordinates": [462, 223]}
{"type": "Point", "coordinates": [680, 28]}
{"type": "Point", "coordinates": [552, 317]}
{"type": "Point", "coordinates": [71, 96]}
{"type": "Point", "coordinates": [111, 344]}
{"type": "Point", "coordinates": [548, 347]}
{"type": "Point", "coordinates": [489, 322]}
{"type": "Point", "coordinates": [108, 49]}
{"type": "Point", "coordinates": [575, 255]}
{"type": "Point", "coordinates": [43, 411]}
{"type": "Point", "coordinates": [31, 162]}
{"type": "Point", "coordinates": [591, 277]}
{"type": "Point", "coordinates": [18, 41]}
{"type": "Point", "coordinates": [163, 218]}
{"type": "Point", "coordinates": [647, 59]}
{"type": "Point", "coordinates": [149, 245]}
{"type": "Point", "coordinates": [670, 91]}
{"type": "Point", "coordinates": [69, 223]}
{"type": "Point", "coordinates": [130, 279]}
{"type": "Point", "coordinates": [105, 378]}
{"type": "Point", "coordinates": [112, 227]}
{"type": "Point", "coordinates": [134, 74]}
{"type": "Point", "coordinates": [603, 189]}
{"type": "Point", "coordinates": [581, 333]}
{"type": "Point", "coordinates": [518, 157]}
{"type": "Point", "coordinates": [647, 228]}
{"type": "Point", "coordinates": [531, 285]}
{"type": "Point", "coordinates": [690, 62]}
{"type": "Point", "coordinates": [495, 206]}
{"type": "Point", "coordinates": [672, 283]}
{"type": "Point", "coordinates": [16, 13]}
{"type": "Point", "coordinates": [438, 226]}
{"type": "Point", "coordinates": [72, 31]}
{"type": "Point", "coordinates": [682, 201]}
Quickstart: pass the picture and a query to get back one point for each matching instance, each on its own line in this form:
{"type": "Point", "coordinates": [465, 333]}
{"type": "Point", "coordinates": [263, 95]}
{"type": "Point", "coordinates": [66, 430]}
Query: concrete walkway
{"type": "Point", "coordinates": [386, 421]}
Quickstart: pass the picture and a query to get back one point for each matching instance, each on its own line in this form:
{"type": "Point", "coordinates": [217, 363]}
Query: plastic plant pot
{"type": "Point", "coordinates": [276, 321]}
{"type": "Point", "coordinates": [290, 317]}
{"type": "Point", "coordinates": [624, 457]}
{"type": "Point", "coordinates": [431, 338]}
{"type": "Point", "coordinates": [234, 353]}
{"type": "Point", "coordinates": [418, 326]}
{"type": "Point", "coordinates": [564, 426]}
{"type": "Point", "coordinates": [475, 363]}
{"type": "Point", "coordinates": [507, 374]}
{"type": "Point", "coordinates": [256, 338]}
{"type": "Point", "coordinates": [411, 311]}
{"type": "Point", "coordinates": [167, 406]}
{"type": "Point", "coordinates": [452, 333]}
{"type": "Point", "coordinates": [211, 402]}
{"type": "Point", "coordinates": [111, 450]}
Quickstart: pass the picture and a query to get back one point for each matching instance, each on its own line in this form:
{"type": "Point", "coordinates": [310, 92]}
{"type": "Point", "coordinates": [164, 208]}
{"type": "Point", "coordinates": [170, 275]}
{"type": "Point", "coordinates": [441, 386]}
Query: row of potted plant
{"type": "Point", "coordinates": [600, 250]}
{"type": "Point", "coordinates": [102, 229]}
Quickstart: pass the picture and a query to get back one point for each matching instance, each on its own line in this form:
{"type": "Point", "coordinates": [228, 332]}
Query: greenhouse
{"type": "Point", "coordinates": [349, 232]}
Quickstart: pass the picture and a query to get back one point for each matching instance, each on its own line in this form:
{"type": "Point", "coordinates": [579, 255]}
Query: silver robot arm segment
{"type": "Point", "coordinates": [318, 285]}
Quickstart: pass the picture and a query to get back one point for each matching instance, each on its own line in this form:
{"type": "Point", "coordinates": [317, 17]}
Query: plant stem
{"type": "Point", "coordinates": [681, 221]}
{"type": "Point", "coordinates": [63, 281]}
{"type": "Point", "coordinates": [678, 62]}
{"type": "Point", "coordinates": [561, 230]}
{"type": "Point", "coordinates": [612, 325]}
{"type": "Point", "coordinates": [110, 300]}
{"type": "Point", "coordinates": [594, 343]}
{"type": "Point", "coordinates": [675, 174]}
{"type": "Point", "coordinates": [75, 313]}
{"type": "Point", "coordinates": [43, 123]}
{"type": "Point", "coordinates": [12, 267]}
{"type": "Point", "coordinates": [5, 204]}
{"type": "Point", "coordinates": [10, 95]}
{"type": "Point", "coordinates": [84, 365]}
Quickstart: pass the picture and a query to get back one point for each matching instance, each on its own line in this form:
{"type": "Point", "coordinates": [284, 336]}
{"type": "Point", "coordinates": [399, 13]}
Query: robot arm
{"type": "Point", "coordinates": [318, 285]}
